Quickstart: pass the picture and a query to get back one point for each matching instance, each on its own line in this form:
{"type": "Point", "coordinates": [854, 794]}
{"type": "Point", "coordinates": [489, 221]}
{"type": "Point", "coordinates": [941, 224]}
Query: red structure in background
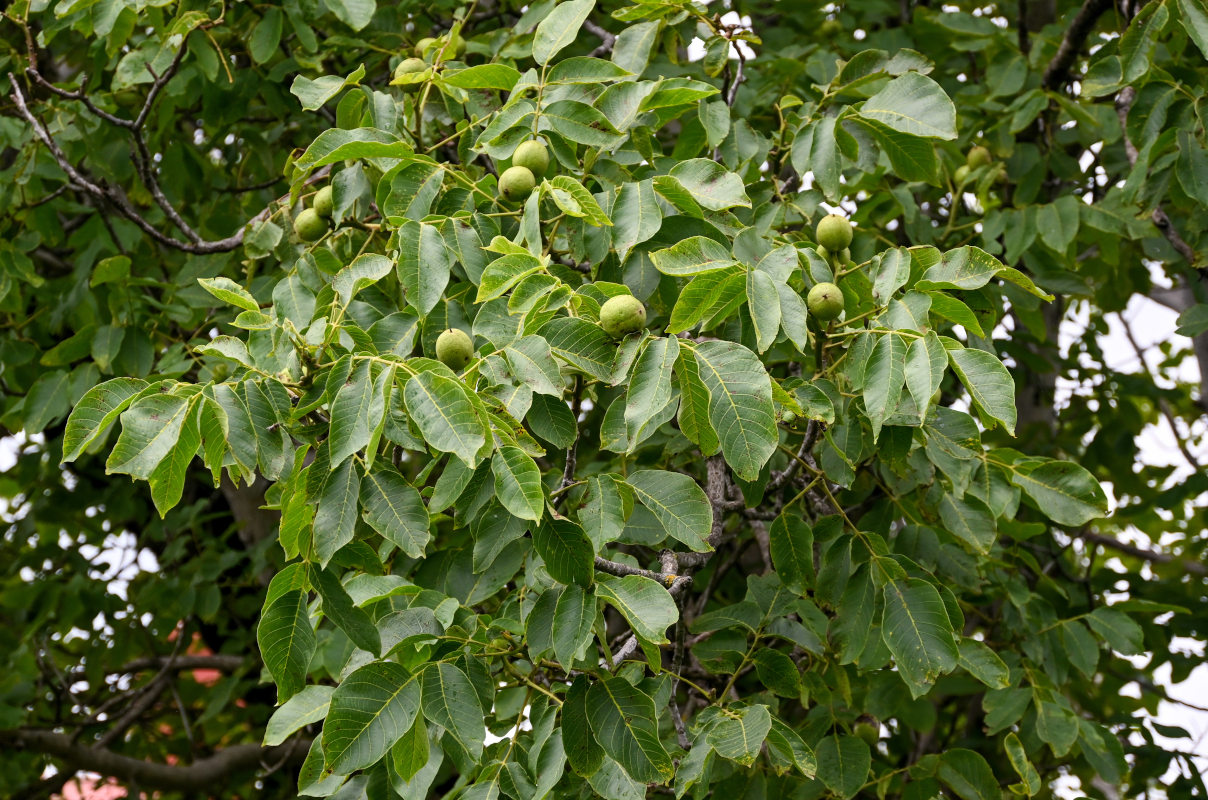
{"type": "Point", "coordinates": [93, 788]}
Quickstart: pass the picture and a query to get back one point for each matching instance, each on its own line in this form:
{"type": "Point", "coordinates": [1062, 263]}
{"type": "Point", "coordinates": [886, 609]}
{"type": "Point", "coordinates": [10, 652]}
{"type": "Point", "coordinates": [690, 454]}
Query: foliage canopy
{"type": "Point", "coordinates": [740, 551]}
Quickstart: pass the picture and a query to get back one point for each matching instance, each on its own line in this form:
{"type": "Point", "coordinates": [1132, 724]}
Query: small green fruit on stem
{"type": "Point", "coordinates": [825, 302]}
{"type": "Point", "coordinates": [622, 315]}
{"type": "Point", "coordinates": [454, 349]}
{"type": "Point", "coordinates": [516, 183]}
{"type": "Point", "coordinates": [868, 729]}
{"type": "Point", "coordinates": [834, 233]}
{"type": "Point", "coordinates": [323, 204]}
{"type": "Point", "coordinates": [410, 66]}
{"type": "Point", "coordinates": [309, 226]}
{"type": "Point", "coordinates": [978, 157]}
{"type": "Point", "coordinates": [423, 45]}
{"type": "Point", "coordinates": [533, 156]}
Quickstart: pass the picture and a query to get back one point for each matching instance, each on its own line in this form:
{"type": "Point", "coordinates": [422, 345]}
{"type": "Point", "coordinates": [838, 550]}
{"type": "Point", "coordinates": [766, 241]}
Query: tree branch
{"type": "Point", "coordinates": [812, 429]}
{"type": "Point", "coordinates": [222, 663]}
{"type": "Point", "coordinates": [1058, 71]}
{"type": "Point", "coordinates": [1190, 565]}
{"type": "Point", "coordinates": [1163, 406]}
{"type": "Point", "coordinates": [621, 570]}
{"type": "Point", "coordinates": [215, 769]}
{"type": "Point", "coordinates": [607, 38]}
{"type": "Point", "coordinates": [117, 198]}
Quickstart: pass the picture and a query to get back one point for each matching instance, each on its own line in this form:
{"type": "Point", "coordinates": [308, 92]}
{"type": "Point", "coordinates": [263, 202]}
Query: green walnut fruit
{"type": "Point", "coordinates": [961, 175]}
{"type": "Point", "coordinates": [978, 157]}
{"type": "Point", "coordinates": [533, 156]}
{"type": "Point", "coordinates": [423, 45]}
{"type": "Point", "coordinates": [323, 204]}
{"type": "Point", "coordinates": [516, 183]}
{"type": "Point", "coordinates": [834, 232]}
{"type": "Point", "coordinates": [845, 256]}
{"type": "Point", "coordinates": [825, 301]}
{"type": "Point", "coordinates": [622, 315]}
{"type": "Point", "coordinates": [830, 28]}
{"type": "Point", "coordinates": [410, 66]}
{"type": "Point", "coordinates": [788, 418]}
{"type": "Point", "coordinates": [454, 349]}
{"type": "Point", "coordinates": [309, 226]}
{"type": "Point", "coordinates": [868, 729]}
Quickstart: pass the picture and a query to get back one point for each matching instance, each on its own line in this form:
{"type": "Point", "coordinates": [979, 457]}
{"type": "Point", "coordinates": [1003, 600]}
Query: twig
{"type": "Point", "coordinates": [732, 94]}
{"type": "Point", "coordinates": [222, 663]}
{"type": "Point", "coordinates": [622, 570]}
{"type": "Point", "coordinates": [111, 194]}
{"type": "Point", "coordinates": [216, 769]}
{"type": "Point", "coordinates": [1124, 102]}
{"type": "Point", "coordinates": [1163, 406]}
{"type": "Point", "coordinates": [812, 429]}
{"type": "Point", "coordinates": [572, 452]}
{"type": "Point", "coordinates": [1058, 71]}
{"type": "Point", "coordinates": [1193, 566]}
{"type": "Point", "coordinates": [79, 96]}
{"type": "Point", "coordinates": [607, 39]}
{"type": "Point", "coordinates": [677, 665]}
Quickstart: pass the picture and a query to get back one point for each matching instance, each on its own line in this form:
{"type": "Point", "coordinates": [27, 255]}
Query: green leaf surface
{"type": "Point", "coordinates": [287, 642]}
{"type": "Point", "coordinates": [370, 710]}
{"type": "Point", "coordinates": [915, 105]}
{"type": "Point", "coordinates": [395, 509]}
{"type": "Point", "coordinates": [624, 723]}
{"type": "Point", "coordinates": [646, 605]}
{"type": "Point", "coordinates": [566, 550]}
{"type": "Point", "coordinates": [678, 503]}
{"type": "Point", "coordinates": [843, 764]}
{"type": "Point", "coordinates": [450, 701]}
{"type": "Point", "coordinates": [740, 405]}
{"type": "Point", "coordinates": [918, 633]}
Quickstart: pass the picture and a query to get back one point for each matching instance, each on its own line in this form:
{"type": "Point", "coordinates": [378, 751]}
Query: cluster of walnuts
{"type": "Point", "coordinates": [620, 316]}
{"type": "Point", "coordinates": [623, 314]}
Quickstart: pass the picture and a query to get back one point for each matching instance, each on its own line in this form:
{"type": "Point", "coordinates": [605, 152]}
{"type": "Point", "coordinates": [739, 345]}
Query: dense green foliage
{"type": "Point", "coordinates": [742, 551]}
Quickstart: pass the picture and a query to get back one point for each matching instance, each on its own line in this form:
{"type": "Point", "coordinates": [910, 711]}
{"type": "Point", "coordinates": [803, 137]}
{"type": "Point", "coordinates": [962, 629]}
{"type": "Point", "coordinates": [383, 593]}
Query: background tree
{"type": "Point", "coordinates": [742, 550]}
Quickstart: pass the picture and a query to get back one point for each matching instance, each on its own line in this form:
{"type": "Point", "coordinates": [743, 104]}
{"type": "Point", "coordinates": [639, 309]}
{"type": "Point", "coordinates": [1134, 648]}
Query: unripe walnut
{"type": "Point", "coordinates": [825, 301]}
{"type": "Point", "coordinates": [533, 156]}
{"type": "Point", "coordinates": [410, 66]}
{"type": "Point", "coordinates": [516, 183]}
{"type": "Point", "coordinates": [323, 204]}
{"type": "Point", "coordinates": [454, 349]}
{"type": "Point", "coordinates": [622, 315]}
{"type": "Point", "coordinates": [834, 232]}
{"type": "Point", "coordinates": [309, 226]}
{"type": "Point", "coordinates": [423, 44]}
{"type": "Point", "coordinates": [978, 157]}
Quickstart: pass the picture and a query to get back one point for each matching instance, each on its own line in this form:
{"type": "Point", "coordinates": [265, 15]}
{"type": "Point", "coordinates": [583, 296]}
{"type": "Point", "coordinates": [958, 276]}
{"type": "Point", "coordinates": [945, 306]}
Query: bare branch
{"type": "Point", "coordinates": [222, 663]}
{"type": "Point", "coordinates": [607, 39]}
{"type": "Point", "coordinates": [216, 769]}
{"type": "Point", "coordinates": [79, 96]}
{"type": "Point", "coordinates": [621, 570]}
{"type": "Point", "coordinates": [1193, 566]}
{"type": "Point", "coordinates": [732, 94]}
{"type": "Point", "coordinates": [160, 82]}
{"type": "Point", "coordinates": [113, 195]}
{"type": "Point", "coordinates": [1124, 102]}
{"type": "Point", "coordinates": [1163, 406]}
{"type": "Point", "coordinates": [812, 429]}
{"type": "Point", "coordinates": [1058, 71]}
